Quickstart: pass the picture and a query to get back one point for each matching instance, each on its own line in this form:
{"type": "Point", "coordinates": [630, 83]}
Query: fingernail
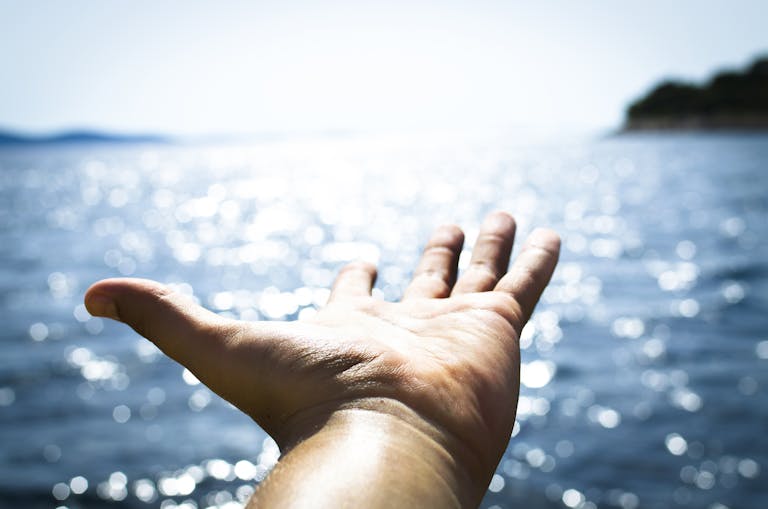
{"type": "Point", "coordinates": [101, 305]}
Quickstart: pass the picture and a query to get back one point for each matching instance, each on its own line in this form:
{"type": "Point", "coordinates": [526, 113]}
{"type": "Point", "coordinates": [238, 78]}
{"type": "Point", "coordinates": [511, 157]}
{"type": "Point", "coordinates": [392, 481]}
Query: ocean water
{"type": "Point", "coordinates": [644, 376]}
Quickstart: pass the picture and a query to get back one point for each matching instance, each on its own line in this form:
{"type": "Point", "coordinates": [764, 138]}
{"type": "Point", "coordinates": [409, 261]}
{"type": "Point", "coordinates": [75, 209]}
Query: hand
{"type": "Point", "coordinates": [442, 364]}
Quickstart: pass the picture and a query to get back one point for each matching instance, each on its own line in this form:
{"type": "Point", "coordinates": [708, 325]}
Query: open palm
{"type": "Point", "coordinates": [447, 351]}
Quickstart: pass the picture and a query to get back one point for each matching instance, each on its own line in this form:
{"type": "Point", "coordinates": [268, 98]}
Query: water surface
{"type": "Point", "coordinates": [644, 377]}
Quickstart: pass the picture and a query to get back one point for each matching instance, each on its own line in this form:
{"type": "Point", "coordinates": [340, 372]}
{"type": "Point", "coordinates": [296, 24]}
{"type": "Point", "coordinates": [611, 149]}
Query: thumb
{"type": "Point", "coordinates": [185, 331]}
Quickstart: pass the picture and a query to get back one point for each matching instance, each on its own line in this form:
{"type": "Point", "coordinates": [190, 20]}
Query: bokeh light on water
{"type": "Point", "coordinates": [644, 368]}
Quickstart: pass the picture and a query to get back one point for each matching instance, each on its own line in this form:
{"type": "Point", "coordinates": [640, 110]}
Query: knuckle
{"type": "Point", "coordinates": [494, 238]}
{"type": "Point", "coordinates": [484, 267]}
{"type": "Point", "coordinates": [508, 307]}
{"type": "Point", "coordinates": [544, 251]}
{"type": "Point", "coordinates": [358, 266]}
{"type": "Point", "coordinates": [530, 277]}
{"type": "Point", "coordinates": [440, 250]}
{"type": "Point", "coordinates": [434, 273]}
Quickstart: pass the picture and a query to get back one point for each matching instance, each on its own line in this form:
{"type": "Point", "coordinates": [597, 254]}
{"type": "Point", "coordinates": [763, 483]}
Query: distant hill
{"type": "Point", "coordinates": [730, 100]}
{"type": "Point", "coordinates": [77, 137]}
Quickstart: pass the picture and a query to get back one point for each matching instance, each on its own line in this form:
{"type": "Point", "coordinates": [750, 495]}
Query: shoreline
{"type": "Point", "coordinates": [718, 123]}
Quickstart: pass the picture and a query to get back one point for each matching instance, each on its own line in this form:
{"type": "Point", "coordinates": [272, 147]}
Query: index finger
{"type": "Point", "coordinates": [532, 269]}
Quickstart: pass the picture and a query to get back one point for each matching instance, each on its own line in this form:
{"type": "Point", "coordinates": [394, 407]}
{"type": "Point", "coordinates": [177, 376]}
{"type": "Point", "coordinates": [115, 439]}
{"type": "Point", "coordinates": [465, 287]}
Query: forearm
{"type": "Point", "coordinates": [367, 458]}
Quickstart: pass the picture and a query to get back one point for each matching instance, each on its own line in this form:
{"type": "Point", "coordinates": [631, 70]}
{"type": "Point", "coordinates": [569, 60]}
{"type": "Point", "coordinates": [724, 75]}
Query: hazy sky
{"type": "Point", "coordinates": [188, 66]}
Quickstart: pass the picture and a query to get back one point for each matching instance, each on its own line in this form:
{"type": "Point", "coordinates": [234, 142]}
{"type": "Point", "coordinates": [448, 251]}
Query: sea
{"type": "Point", "coordinates": [645, 366]}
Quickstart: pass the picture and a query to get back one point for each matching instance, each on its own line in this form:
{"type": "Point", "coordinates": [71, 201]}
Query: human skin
{"type": "Point", "coordinates": [373, 403]}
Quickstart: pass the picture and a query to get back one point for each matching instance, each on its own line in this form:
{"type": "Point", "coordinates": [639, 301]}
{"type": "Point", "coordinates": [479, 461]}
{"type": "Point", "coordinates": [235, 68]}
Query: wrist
{"type": "Point", "coordinates": [401, 447]}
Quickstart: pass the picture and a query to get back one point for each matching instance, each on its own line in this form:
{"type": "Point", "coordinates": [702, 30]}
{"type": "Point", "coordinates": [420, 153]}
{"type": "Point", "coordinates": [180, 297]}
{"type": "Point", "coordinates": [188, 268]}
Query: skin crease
{"type": "Point", "coordinates": [373, 403]}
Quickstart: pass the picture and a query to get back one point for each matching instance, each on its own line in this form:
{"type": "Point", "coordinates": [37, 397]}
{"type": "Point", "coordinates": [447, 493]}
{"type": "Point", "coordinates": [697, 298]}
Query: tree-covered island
{"type": "Point", "coordinates": [730, 100]}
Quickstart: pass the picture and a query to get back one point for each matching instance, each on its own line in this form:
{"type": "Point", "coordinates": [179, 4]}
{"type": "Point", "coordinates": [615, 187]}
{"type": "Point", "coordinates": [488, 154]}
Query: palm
{"type": "Point", "coordinates": [441, 351]}
{"type": "Point", "coordinates": [448, 350]}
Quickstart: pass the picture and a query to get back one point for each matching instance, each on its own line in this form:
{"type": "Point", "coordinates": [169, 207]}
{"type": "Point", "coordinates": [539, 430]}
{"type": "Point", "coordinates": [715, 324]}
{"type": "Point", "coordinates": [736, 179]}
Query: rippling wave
{"type": "Point", "coordinates": [644, 378]}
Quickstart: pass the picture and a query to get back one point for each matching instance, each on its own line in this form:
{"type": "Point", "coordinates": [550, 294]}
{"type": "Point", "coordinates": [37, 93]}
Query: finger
{"type": "Point", "coordinates": [436, 272]}
{"type": "Point", "coordinates": [354, 280]}
{"type": "Point", "coordinates": [490, 256]}
{"type": "Point", "coordinates": [532, 269]}
{"type": "Point", "coordinates": [186, 332]}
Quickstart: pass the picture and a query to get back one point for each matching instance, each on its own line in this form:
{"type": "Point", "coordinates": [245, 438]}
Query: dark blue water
{"type": "Point", "coordinates": [644, 368]}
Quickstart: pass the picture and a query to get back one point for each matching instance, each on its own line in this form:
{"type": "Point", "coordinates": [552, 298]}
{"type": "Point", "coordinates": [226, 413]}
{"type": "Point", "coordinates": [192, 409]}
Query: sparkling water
{"type": "Point", "coordinates": [644, 368]}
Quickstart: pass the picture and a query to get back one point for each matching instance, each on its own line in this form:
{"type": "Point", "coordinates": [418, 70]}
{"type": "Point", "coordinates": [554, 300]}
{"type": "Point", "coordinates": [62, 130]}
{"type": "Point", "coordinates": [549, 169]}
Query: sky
{"type": "Point", "coordinates": [240, 67]}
